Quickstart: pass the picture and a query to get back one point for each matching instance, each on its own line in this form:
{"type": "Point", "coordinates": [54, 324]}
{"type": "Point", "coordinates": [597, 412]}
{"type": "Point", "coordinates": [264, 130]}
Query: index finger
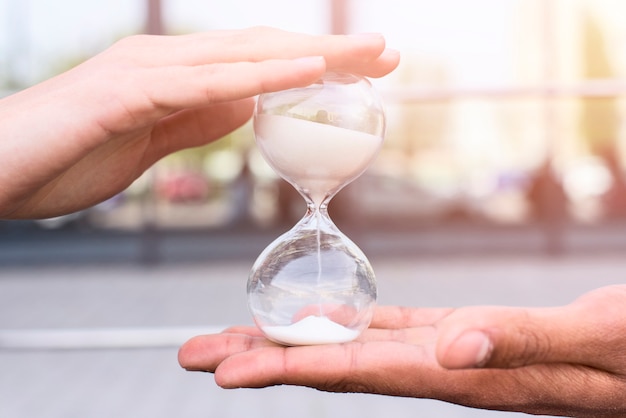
{"type": "Point", "coordinates": [206, 352]}
{"type": "Point", "coordinates": [364, 54]}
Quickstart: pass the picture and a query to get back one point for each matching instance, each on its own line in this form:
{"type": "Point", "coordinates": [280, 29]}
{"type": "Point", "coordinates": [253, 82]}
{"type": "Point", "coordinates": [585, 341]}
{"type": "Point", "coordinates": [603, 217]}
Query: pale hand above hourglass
{"type": "Point", "coordinates": [313, 285]}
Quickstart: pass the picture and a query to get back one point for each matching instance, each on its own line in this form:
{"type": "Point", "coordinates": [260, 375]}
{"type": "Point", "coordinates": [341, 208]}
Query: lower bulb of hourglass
{"type": "Point", "coordinates": [312, 286]}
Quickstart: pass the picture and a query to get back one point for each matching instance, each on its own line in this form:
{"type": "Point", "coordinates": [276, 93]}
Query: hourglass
{"type": "Point", "coordinates": [313, 285]}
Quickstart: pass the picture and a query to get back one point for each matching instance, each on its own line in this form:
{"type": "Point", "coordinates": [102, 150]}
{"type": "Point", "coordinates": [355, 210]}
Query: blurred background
{"type": "Point", "coordinates": [501, 181]}
{"type": "Point", "coordinates": [502, 114]}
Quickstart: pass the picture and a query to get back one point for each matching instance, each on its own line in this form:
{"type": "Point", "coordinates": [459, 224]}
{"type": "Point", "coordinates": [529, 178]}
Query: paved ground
{"type": "Point", "coordinates": [169, 298]}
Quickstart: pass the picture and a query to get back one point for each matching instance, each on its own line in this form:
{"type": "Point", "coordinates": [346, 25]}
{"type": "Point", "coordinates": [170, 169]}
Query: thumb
{"type": "Point", "coordinates": [501, 337]}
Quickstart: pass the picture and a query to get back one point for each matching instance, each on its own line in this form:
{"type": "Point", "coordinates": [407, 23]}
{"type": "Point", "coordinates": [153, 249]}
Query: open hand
{"type": "Point", "coordinates": [85, 135]}
{"type": "Point", "coordinates": [567, 360]}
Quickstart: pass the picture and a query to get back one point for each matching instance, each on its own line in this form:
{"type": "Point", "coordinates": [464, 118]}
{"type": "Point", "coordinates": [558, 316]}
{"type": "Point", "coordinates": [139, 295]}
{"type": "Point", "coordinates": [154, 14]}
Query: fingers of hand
{"type": "Point", "coordinates": [399, 369]}
{"type": "Point", "coordinates": [206, 352]}
{"type": "Point", "coordinates": [515, 337]}
{"type": "Point", "coordinates": [149, 77]}
{"type": "Point", "coordinates": [364, 54]}
{"type": "Point", "coordinates": [183, 87]}
{"type": "Point", "coordinates": [591, 331]}
{"type": "Point", "coordinates": [352, 367]}
{"type": "Point", "coordinates": [500, 337]}
{"type": "Point", "coordinates": [381, 66]}
{"type": "Point", "coordinates": [252, 331]}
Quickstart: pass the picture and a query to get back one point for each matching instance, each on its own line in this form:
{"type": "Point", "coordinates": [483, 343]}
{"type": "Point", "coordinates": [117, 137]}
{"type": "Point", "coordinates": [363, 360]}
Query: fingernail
{"type": "Point", "coordinates": [484, 351]}
{"type": "Point", "coordinates": [470, 350]}
{"type": "Point", "coordinates": [391, 51]}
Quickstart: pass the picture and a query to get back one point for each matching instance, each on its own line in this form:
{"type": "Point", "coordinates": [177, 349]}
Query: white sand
{"type": "Point", "coordinates": [317, 157]}
{"type": "Point", "coordinates": [320, 159]}
{"type": "Point", "coordinates": [311, 330]}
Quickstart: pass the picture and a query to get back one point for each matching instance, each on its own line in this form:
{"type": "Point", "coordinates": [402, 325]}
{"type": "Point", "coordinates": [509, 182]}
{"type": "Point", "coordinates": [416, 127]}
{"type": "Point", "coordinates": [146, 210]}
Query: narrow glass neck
{"type": "Point", "coordinates": [317, 218]}
{"type": "Point", "coordinates": [312, 209]}
{"type": "Point", "coordinates": [317, 202]}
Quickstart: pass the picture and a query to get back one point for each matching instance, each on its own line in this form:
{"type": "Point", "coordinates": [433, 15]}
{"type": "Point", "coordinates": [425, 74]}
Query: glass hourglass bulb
{"type": "Point", "coordinates": [313, 285]}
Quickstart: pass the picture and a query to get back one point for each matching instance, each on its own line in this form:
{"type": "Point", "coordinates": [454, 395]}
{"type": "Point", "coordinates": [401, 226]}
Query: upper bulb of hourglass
{"type": "Point", "coordinates": [313, 285]}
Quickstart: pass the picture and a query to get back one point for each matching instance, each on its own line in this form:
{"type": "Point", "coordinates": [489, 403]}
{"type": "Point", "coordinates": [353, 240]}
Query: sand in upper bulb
{"type": "Point", "coordinates": [317, 157]}
{"type": "Point", "coordinates": [311, 330]}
